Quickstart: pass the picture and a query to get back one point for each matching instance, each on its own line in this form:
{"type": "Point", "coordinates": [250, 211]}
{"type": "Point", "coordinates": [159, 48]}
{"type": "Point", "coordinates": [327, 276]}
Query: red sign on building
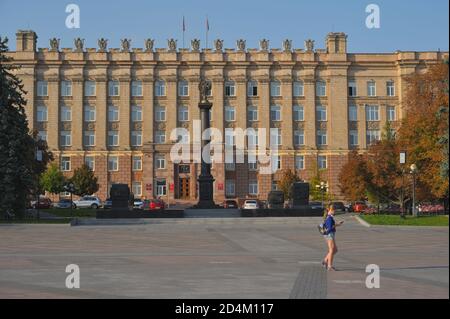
{"type": "Point", "coordinates": [172, 187]}
{"type": "Point", "coordinates": [148, 187]}
{"type": "Point", "coordinates": [220, 186]}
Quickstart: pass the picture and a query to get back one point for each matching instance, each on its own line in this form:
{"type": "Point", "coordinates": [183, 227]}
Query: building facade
{"type": "Point", "coordinates": [114, 109]}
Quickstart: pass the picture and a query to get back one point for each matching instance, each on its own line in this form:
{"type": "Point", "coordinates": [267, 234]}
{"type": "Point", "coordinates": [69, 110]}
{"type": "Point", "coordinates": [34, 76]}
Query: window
{"type": "Point", "coordinates": [352, 113]}
{"type": "Point", "coordinates": [253, 166]}
{"type": "Point", "coordinates": [161, 188]}
{"type": "Point", "coordinates": [230, 167]}
{"type": "Point", "coordinates": [229, 188]}
{"type": "Point", "coordinates": [89, 138]}
{"type": "Point", "coordinates": [321, 113]}
{"type": "Point", "coordinates": [42, 88]}
{"type": "Point", "coordinates": [371, 88]}
{"type": "Point", "coordinates": [276, 164]}
{"type": "Point", "coordinates": [275, 88]}
{"type": "Point", "coordinates": [183, 114]}
{"type": "Point", "coordinates": [136, 113]}
{"type": "Point", "coordinates": [66, 138]}
{"type": "Point", "coordinates": [160, 137]}
{"type": "Point", "coordinates": [299, 162]}
{"type": "Point", "coordinates": [372, 113]}
{"type": "Point", "coordinates": [136, 188]}
{"type": "Point", "coordinates": [253, 188]}
{"type": "Point", "coordinates": [252, 88]}
{"type": "Point", "coordinates": [137, 163]}
{"type": "Point", "coordinates": [391, 116]}
{"type": "Point", "coordinates": [65, 163]}
{"type": "Point", "coordinates": [183, 136]}
{"type": "Point", "coordinates": [113, 113]}
{"type": "Point", "coordinates": [136, 88]}
{"type": "Point", "coordinates": [230, 138]}
{"type": "Point", "coordinates": [160, 88]}
{"type": "Point", "coordinates": [321, 88]}
{"type": "Point", "coordinates": [113, 88]}
{"type": "Point", "coordinates": [113, 138]}
{"type": "Point", "coordinates": [252, 138]}
{"type": "Point", "coordinates": [183, 88]}
{"type": "Point", "coordinates": [298, 113]}
{"type": "Point", "coordinates": [66, 88]}
{"type": "Point", "coordinates": [90, 162]}
{"type": "Point", "coordinates": [275, 113]}
{"type": "Point", "coordinates": [352, 91]}
{"type": "Point", "coordinates": [89, 113]}
{"type": "Point", "coordinates": [113, 163]}
{"type": "Point", "coordinates": [230, 88]}
{"type": "Point", "coordinates": [160, 161]}
{"type": "Point", "coordinates": [274, 186]}
{"type": "Point", "coordinates": [42, 135]}
{"type": "Point", "coordinates": [275, 137]}
{"type": "Point", "coordinates": [322, 162]}
{"type": "Point", "coordinates": [353, 137]}
{"type": "Point", "coordinates": [252, 113]}
{"type": "Point", "coordinates": [390, 88]}
{"type": "Point", "coordinates": [136, 138]}
{"type": "Point", "coordinates": [229, 114]}
{"type": "Point", "coordinates": [89, 88]}
{"type": "Point", "coordinates": [66, 114]}
{"type": "Point", "coordinates": [299, 138]}
{"type": "Point", "coordinates": [160, 114]}
{"type": "Point", "coordinates": [321, 137]}
{"type": "Point", "coordinates": [298, 89]}
{"type": "Point", "coordinates": [372, 136]}
{"type": "Point", "coordinates": [41, 114]}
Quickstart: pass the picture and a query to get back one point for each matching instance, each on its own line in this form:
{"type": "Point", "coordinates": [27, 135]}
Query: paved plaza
{"type": "Point", "coordinates": [221, 258]}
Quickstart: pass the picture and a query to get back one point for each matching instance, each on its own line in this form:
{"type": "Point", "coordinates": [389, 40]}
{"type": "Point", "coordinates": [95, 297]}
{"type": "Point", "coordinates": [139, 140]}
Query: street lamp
{"type": "Point", "coordinates": [323, 188]}
{"type": "Point", "coordinates": [413, 168]}
{"type": "Point", "coordinates": [402, 163]}
{"type": "Point", "coordinates": [71, 189]}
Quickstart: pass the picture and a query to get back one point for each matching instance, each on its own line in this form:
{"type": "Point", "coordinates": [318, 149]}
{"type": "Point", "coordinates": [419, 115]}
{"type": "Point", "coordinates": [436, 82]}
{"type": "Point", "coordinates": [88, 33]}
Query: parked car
{"type": "Point", "coordinates": [250, 204]}
{"type": "Point", "coordinates": [349, 207]}
{"type": "Point", "coordinates": [427, 208]}
{"type": "Point", "coordinates": [138, 203]}
{"type": "Point", "coordinates": [107, 204]}
{"type": "Point", "coordinates": [316, 205]}
{"type": "Point", "coordinates": [43, 203]}
{"type": "Point", "coordinates": [339, 206]}
{"type": "Point", "coordinates": [230, 204]}
{"type": "Point", "coordinates": [275, 200]}
{"type": "Point", "coordinates": [153, 204]}
{"type": "Point", "coordinates": [359, 207]}
{"type": "Point", "coordinates": [88, 202]}
{"type": "Point", "coordinates": [63, 203]}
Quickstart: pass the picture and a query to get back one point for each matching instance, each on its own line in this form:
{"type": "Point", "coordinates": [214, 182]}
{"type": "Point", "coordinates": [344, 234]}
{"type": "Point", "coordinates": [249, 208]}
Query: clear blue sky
{"type": "Point", "coordinates": [405, 24]}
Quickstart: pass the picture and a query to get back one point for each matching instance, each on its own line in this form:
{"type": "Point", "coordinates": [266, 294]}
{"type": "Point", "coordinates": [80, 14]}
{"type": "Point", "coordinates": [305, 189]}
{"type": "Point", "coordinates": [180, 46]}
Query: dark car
{"type": "Point", "coordinates": [316, 205]}
{"type": "Point", "coordinates": [107, 204]}
{"type": "Point", "coordinates": [230, 204]}
{"type": "Point", "coordinates": [63, 203]}
{"type": "Point", "coordinates": [43, 203]}
{"type": "Point", "coordinates": [339, 206]}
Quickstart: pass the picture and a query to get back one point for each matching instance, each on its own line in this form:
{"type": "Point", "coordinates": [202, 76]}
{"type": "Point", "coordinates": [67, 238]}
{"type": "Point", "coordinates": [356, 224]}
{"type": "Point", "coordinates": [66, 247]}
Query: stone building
{"type": "Point", "coordinates": [114, 109]}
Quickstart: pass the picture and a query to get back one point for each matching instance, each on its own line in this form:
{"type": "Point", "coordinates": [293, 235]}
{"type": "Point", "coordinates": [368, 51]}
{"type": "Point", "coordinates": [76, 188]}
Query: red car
{"type": "Point", "coordinates": [359, 207]}
{"type": "Point", "coordinates": [154, 204]}
{"type": "Point", "coordinates": [43, 203]}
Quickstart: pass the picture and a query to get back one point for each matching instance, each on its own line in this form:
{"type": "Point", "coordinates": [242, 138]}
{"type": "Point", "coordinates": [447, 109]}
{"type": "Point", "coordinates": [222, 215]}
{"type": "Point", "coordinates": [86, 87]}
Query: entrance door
{"type": "Point", "coordinates": [184, 188]}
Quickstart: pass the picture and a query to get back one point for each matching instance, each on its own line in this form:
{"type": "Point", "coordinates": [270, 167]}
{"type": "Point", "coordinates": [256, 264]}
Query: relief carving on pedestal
{"type": "Point", "coordinates": [161, 126]}
{"type": "Point", "coordinates": [373, 125]}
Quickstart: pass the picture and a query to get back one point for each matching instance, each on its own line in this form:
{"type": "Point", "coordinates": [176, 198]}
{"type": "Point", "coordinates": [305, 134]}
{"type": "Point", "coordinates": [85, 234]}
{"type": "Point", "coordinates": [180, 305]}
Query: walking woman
{"type": "Point", "coordinates": [330, 237]}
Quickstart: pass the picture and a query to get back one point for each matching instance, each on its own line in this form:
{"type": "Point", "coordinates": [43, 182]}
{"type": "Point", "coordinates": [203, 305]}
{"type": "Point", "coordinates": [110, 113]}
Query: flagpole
{"type": "Point", "coordinates": [184, 29]}
{"type": "Point", "coordinates": [207, 30]}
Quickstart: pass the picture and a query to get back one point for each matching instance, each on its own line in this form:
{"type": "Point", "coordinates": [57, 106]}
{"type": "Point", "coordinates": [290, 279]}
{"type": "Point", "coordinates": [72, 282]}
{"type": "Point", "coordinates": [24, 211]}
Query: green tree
{"type": "Point", "coordinates": [287, 179]}
{"type": "Point", "coordinates": [53, 180]}
{"type": "Point", "coordinates": [17, 147]}
{"type": "Point", "coordinates": [314, 192]}
{"type": "Point", "coordinates": [84, 181]}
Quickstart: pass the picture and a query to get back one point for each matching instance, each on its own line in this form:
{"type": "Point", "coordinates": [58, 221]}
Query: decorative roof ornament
{"type": "Point", "coordinates": [287, 45]}
{"type": "Point", "coordinates": [264, 45]}
{"type": "Point", "coordinates": [240, 44]}
{"type": "Point", "coordinates": [79, 44]}
{"type": "Point", "coordinates": [195, 45]}
{"type": "Point", "coordinates": [309, 45]}
{"type": "Point", "coordinates": [218, 44]}
{"type": "Point", "coordinates": [149, 43]}
{"type": "Point", "coordinates": [54, 44]}
{"type": "Point", "coordinates": [172, 44]}
{"type": "Point", "coordinates": [126, 43]}
{"type": "Point", "coordinates": [102, 44]}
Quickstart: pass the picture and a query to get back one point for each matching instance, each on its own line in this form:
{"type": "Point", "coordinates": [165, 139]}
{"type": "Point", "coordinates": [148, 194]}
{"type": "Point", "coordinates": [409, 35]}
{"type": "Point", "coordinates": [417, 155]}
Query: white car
{"type": "Point", "coordinates": [138, 203]}
{"type": "Point", "coordinates": [251, 204]}
{"type": "Point", "coordinates": [87, 202]}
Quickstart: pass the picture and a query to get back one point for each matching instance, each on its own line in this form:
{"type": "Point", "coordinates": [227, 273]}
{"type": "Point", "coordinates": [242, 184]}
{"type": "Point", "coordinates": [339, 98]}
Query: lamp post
{"type": "Point", "coordinates": [402, 163]}
{"type": "Point", "coordinates": [70, 188]}
{"type": "Point", "coordinates": [323, 188]}
{"type": "Point", "coordinates": [414, 173]}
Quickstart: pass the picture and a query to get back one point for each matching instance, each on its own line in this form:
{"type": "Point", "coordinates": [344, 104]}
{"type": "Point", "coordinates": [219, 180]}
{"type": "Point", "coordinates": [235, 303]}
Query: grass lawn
{"type": "Point", "coordinates": [36, 221]}
{"type": "Point", "coordinates": [65, 212]}
{"type": "Point", "coordinates": [409, 221]}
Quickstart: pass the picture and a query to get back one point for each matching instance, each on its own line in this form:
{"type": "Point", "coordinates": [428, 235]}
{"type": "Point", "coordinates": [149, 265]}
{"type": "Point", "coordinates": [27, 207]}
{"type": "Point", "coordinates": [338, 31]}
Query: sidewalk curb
{"type": "Point", "coordinates": [362, 222]}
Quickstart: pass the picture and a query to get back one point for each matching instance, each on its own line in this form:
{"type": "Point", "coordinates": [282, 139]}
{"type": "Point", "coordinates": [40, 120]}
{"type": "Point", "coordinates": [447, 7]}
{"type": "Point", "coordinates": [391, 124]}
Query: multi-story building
{"type": "Point", "coordinates": [114, 109]}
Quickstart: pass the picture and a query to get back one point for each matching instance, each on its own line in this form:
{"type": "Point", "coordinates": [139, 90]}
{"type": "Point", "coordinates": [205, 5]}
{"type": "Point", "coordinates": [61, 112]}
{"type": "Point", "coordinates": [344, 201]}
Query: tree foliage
{"type": "Point", "coordinates": [53, 180]}
{"type": "Point", "coordinates": [354, 178]}
{"type": "Point", "coordinates": [84, 181]}
{"type": "Point", "coordinates": [287, 179]}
